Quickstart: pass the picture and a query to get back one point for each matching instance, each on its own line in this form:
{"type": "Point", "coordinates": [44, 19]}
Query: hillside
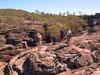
{"type": "Point", "coordinates": [14, 19]}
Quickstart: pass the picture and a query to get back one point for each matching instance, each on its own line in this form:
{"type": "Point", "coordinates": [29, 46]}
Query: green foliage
{"type": "Point", "coordinates": [12, 18]}
{"type": "Point", "coordinates": [55, 29]}
{"type": "Point", "coordinates": [73, 22]}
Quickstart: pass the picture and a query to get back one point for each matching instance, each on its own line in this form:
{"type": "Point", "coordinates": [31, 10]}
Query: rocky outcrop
{"type": "Point", "coordinates": [16, 37]}
{"type": "Point", "coordinates": [58, 59]}
{"type": "Point", "coordinates": [33, 63]}
{"type": "Point", "coordinates": [81, 57]}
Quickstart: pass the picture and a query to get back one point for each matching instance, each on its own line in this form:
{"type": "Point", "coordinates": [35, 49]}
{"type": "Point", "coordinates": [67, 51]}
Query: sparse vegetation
{"type": "Point", "coordinates": [73, 22]}
{"type": "Point", "coordinates": [11, 18]}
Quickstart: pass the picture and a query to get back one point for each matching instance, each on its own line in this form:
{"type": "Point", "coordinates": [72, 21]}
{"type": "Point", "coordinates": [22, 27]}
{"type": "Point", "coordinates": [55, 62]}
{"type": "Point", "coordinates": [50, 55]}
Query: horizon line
{"type": "Point", "coordinates": [76, 13]}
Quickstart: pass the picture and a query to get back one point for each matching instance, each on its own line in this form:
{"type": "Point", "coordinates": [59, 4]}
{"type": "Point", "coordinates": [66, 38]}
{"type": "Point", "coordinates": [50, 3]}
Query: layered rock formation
{"type": "Point", "coordinates": [82, 57]}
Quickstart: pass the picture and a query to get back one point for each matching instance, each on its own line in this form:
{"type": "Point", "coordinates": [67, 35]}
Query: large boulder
{"type": "Point", "coordinates": [32, 62]}
{"type": "Point", "coordinates": [84, 59]}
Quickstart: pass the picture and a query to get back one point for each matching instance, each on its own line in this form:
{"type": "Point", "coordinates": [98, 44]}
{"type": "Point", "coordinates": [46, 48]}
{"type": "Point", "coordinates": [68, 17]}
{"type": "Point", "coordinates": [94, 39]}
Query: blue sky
{"type": "Point", "coordinates": [54, 6]}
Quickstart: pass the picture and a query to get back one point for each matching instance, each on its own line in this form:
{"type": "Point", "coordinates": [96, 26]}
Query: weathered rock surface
{"type": "Point", "coordinates": [82, 57]}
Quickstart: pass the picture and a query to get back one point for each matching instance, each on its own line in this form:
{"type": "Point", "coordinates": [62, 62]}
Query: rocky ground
{"type": "Point", "coordinates": [82, 57]}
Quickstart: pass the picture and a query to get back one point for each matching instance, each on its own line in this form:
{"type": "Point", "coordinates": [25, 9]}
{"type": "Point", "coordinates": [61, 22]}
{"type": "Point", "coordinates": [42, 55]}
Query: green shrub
{"type": "Point", "coordinates": [73, 22]}
{"type": "Point", "coordinates": [14, 19]}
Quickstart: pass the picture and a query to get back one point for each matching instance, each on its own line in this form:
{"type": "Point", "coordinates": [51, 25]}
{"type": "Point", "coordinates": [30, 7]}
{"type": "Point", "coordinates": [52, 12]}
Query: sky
{"type": "Point", "coordinates": [53, 6]}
